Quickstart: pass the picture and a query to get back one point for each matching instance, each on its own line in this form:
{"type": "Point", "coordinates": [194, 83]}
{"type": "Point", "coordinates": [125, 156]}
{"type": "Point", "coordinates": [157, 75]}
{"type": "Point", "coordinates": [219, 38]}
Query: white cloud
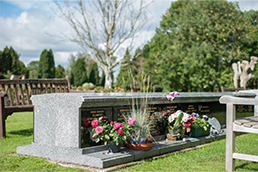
{"type": "Point", "coordinates": [34, 30]}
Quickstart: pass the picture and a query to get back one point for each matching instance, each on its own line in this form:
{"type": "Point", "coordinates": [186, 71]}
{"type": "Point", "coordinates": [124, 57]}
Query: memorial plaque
{"type": "Point", "coordinates": [204, 108]}
{"type": "Point", "coordinates": [87, 115]}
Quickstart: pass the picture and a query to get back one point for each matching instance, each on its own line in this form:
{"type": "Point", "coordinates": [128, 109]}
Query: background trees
{"type": "Point", "coordinates": [93, 73]}
{"type": "Point", "coordinates": [10, 64]}
{"type": "Point", "coordinates": [46, 68]}
{"type": "Point", "coordinates": [196, 44]}
{"type": "Point", "coordinates": [78, 74]}
{"type": "Point", "coordinates": [59, 72]}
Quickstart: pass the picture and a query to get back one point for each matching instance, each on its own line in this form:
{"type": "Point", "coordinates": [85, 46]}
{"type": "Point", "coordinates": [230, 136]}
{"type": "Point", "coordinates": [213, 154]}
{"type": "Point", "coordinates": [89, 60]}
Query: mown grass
{"type": "Point", "coordinates": [207, 158]}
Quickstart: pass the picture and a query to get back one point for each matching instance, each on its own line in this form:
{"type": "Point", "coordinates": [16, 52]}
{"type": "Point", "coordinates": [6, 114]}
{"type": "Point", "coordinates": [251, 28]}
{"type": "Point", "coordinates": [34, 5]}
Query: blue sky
{"type": "Point", "coordinates": [26, 24]}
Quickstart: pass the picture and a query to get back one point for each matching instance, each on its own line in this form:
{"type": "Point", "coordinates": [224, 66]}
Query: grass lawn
{"type": "Point", "coordinates": [207, 158]}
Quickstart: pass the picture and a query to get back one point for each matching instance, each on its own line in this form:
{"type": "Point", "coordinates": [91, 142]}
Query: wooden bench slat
{"type": "Point", "coordinates": [22, 94]}
{"type": "Point", "coordinates": [16, 94]}
{"type": "Point", "coordinates": [51, 87]}
{"type": "Point", "coordinates": [37, 88]}
{"type": "Point", "coordinates": [10, 94]}
{"type": "Point", "coordinates": [5, 98]}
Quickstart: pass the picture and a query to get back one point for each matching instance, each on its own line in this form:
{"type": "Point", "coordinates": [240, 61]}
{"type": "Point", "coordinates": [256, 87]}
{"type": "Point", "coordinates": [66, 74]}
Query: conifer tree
{"type": "Point", "coordinates": [59, 72]}
{"type": "Point", "coordinates": [93, 73]}
{"type": "Point", "coordinates": [46, 68]}
{"type": "Point", "coordinates": [78, 72]}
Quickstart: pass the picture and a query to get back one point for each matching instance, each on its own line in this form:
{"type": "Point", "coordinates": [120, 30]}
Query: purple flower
{"type": "Point", "coordinates": [172, 95]}
{"type": "Point", "coordinates": [205, 117]}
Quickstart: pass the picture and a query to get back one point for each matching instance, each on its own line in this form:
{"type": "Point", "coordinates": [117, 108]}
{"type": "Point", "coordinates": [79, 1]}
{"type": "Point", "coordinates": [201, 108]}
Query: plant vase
{"type": "Point", "coordinates": [140, 146]}
{"type": "Point", "coordinates": [112, 147]}
{"type": "Point", "coordinates": [199, 132]}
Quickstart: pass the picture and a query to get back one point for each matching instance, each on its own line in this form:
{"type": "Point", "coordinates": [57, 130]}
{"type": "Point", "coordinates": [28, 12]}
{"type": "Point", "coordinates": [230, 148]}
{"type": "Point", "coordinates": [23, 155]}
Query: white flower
{"type": "Point", "coordinates": [185, 117]}
{"type": "Point", "coordinates": [171, 118]}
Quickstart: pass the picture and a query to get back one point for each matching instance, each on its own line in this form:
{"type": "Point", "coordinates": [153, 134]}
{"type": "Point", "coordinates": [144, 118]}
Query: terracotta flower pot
{"type": "Point", "coordinates": [140, 146]}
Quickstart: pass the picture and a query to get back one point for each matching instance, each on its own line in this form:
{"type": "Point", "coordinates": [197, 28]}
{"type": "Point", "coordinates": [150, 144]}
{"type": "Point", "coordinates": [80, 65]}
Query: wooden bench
{"type": "Point", "coordinates": [233, 125]}
{"type": "Point", "coordinates": [224, 89]}
{"type": "Point", "coordinates": [15, 95]}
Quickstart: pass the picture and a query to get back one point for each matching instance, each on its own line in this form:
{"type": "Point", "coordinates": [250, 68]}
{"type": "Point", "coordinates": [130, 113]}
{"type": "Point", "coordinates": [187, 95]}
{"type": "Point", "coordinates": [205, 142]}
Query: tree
{"type": "Point", "coordinates": [108, 23]}
{"type": "Point", "coordinates": [23, 70]}
{"type": "Point", "coordinates": [11, 65]}
{"type": "Point", "coordinates": [59, 72]}
{"type": "Point", "coordinates": [195, 46]}
{"type": "Point", "coordinates": [78, 73]}
{"type": "Point", "coordinates": [124, 79]}
{"type": "Point", "coordinates": [102, 79]}
{"type": "Point", "coordinates": [33, 67]}
{"type": "Point", "coordinates": [93, 73]}
{"type": "Point", "coordinates": [46, 68]}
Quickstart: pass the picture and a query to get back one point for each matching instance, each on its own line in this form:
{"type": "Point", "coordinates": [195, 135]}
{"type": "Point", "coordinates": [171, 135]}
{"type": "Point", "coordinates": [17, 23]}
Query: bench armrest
{"type": "Point", "coordinates": [238, 100]}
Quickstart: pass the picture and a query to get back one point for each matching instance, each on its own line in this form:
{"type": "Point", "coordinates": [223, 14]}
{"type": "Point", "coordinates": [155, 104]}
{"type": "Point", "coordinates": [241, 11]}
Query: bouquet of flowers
{"type": "Point", "coordinates": [112, 131]}
{"type": "Point", "coordinates": [180, 120]}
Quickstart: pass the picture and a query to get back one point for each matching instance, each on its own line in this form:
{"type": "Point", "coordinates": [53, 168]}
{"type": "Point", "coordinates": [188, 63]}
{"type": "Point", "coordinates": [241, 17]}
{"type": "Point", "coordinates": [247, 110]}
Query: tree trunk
{"type": "Point", "coordinates": [108, 77]}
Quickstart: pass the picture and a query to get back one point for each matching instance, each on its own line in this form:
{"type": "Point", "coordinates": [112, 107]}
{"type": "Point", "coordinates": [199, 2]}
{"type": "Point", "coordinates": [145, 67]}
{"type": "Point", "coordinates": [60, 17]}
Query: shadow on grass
{"type": "Point", "coordinates": [245, 166]}
{"type": "Point", "coordinates": [27, 132]}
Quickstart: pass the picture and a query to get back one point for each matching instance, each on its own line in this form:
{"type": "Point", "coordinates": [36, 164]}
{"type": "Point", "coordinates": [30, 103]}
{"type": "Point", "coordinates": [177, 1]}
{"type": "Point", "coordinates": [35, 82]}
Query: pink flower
{"type": "Point", "coordinates": [115, 90]}
{"type": "Point", "coordinates": [117, 125]}
{"type": "Point", "coordinates": [191, 117]}
{"type": "Point", "coordinates": [84, 89]}
{"type": "Point", "coordinates": [106, 88]}
{"type": "Point", "coordinates": [86, 122]}
{"type": "Point", "coordinates": [111, 122]}
{"type": "Point", "coordinates": [94, 123]}
{"type": "Point", "coordinates": [121, 125]}
{"type": "Point", "coordinates": [120, 131]}
{"type": "Point", "coordinates": [99, 130]}
{"type": "Point", "coordinates": [77, 89]}
{"type": "Point", "coordinates": [101, 91]}
{"type": "Point", "coordinates": [131, 121]}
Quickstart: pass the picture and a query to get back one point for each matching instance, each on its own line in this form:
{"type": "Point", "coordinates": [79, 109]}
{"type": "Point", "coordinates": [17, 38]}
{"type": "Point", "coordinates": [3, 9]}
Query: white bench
{"type": "Point", "coordinates": [233, 125]}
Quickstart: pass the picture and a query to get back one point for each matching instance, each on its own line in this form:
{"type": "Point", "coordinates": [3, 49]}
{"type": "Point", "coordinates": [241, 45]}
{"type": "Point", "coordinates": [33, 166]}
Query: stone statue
{"type": "Point", "coordinates": [241, 71]}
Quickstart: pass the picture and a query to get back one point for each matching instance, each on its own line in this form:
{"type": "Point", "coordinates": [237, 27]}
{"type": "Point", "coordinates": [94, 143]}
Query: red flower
{"type": "Point", "coordinates": [120, 131]}
{"type": "Point", "coordinates": [94, 123]}
{"type": "Point", "coordinates": [188, 123]}
{"type": "Point", "coordinates": [111, 122]}
{"type": "Point", "coordinates": [86, 122]}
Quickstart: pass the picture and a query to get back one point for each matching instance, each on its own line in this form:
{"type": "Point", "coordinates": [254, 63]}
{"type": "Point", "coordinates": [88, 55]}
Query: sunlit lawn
{"type": "Point", "coordinates": [210, 157]}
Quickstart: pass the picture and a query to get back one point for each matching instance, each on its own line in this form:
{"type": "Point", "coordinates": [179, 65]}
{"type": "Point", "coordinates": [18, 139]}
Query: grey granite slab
{"type": "Point", "coordinates": [57, 123]}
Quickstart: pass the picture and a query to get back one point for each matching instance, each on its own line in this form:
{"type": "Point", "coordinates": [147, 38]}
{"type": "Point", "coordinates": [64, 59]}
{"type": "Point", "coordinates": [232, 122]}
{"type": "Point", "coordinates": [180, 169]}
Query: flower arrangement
{"type": "Point", "coordinates": [201, 121]}
{"type": "Point", "coordinates": [112, 131]}
{"type": "Point", "coordinates": [180, 120]}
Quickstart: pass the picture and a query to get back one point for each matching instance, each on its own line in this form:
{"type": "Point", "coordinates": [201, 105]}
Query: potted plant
{"type": "Point", "coordinates": [114, 133]}
{"type": "Point", "coordinates": [140, 136]}
{"type": "Point", "coordinates": [178, 122]}
{"type": "Point", "coordinates": [200, 126]}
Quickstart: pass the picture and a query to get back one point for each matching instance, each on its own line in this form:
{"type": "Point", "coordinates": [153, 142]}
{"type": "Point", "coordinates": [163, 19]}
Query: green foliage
{"type": "Point", "coordinates": [102, 79]}
{"type": "Point", "coordinates": [59, 72]}
{"type": "Point", "coordinates": [33, 67]}
{"type": "Point", "coordinates": [93, 73]}
{"type": "Point", "coordinates": [124, 78]}
{"type": "Point", "coordinates": [196, 44]}
{"type": "Point", "coordinates": [10, 64]}
{"type": "Point", "coordinates": [78, 72]}
{"type": "Point", "coordinates": [46, 68]}
{"type": "Point", "coordinates": [200, 122]}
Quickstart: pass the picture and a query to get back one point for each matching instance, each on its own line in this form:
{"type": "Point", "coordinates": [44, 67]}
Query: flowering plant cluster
{"type": "Point", "coordinates": [112, 131]}
{"type": "Point", "coordinates": [180, 120]}
{"type": "Point", "coordinates": [172, 95]}
{"type": "Point", "coordinates": [201, 121]}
